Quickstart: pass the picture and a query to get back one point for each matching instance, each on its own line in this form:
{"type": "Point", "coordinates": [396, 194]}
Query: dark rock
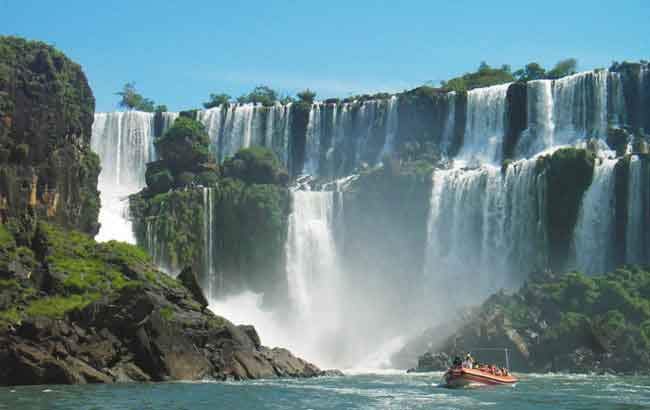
{"type": "Point", "coordinates": [190, 281]}
{"type": "Point", "coordinates": [331, 373]}
{"type": "Point", "coordinates": [252, 334]}
{"type": "Point", "coordinates": [433, 362]}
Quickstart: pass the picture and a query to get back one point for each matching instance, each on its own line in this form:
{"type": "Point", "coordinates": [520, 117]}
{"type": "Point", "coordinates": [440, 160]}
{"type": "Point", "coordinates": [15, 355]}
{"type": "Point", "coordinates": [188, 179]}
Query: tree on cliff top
{"type": "Point", "coordinates": [563, 68]}
{"type": "Point", "coordinates": [534, 71]}
{"type": "Point", "coordinates": [485, 76]}
{"type": "Point", "coordinates": [217, 100]}
{"type": "Point", "coordinates": [261, 94]}
{"type": "Point", "coordinates": [132, 100]}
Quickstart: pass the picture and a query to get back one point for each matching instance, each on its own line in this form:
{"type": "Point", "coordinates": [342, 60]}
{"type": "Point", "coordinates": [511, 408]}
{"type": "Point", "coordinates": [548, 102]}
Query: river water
{"type": "Point", "coordinates": [387, 390]}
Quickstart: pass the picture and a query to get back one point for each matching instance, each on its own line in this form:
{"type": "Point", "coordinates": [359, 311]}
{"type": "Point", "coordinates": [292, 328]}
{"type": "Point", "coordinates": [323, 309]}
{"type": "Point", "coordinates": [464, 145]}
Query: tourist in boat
{"type": "Point", "coordinates": [469, 361]}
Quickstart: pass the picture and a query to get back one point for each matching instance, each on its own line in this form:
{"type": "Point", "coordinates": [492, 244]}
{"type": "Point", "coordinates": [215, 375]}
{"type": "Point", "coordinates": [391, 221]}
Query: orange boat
{"type": "Point", "coordinates": [466, 377]}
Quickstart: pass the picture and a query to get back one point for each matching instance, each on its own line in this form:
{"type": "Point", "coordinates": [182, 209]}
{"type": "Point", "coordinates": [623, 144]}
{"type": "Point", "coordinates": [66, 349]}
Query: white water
{"type": "Point", "coordinates": [636, 230]}
{"type": "Point", "coordinates": [238, 126]}
{"type": "Point", "coordinates": [570, 109]}
{"type": "Point", "coordinates": [485, 229]}
{"type": "Point", "coordinates": [124, 143]}
{"type": "Point", "coordinates": [209, 277]}
{"type": "Point", "coordinates": [342, 136]}
{"type": "Point", "coordinates": [485, 127]}
{"type": "Point", "coordinates": [594, 232]}
{"type": "Point", "coordinates": [313, 272]}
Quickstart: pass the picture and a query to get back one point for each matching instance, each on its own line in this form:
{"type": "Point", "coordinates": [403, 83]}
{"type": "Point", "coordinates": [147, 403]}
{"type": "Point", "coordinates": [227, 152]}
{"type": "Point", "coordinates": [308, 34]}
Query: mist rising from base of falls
{"type": "Point", "coordinates": [113, 218]}
{"type": "Point", "coordinates": [348, 347]}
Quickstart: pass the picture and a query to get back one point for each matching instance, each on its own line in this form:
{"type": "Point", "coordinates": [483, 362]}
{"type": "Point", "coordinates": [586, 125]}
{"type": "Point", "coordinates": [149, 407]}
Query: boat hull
{"type": "Point", "coordinates": [474, 377]}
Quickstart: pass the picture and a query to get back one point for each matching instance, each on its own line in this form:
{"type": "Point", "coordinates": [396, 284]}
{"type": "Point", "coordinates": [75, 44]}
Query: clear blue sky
{"type": "Point", "coordinates": [178, 52]}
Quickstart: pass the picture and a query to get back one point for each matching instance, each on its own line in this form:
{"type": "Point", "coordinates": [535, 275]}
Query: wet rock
{"type": "Point", "coordinates": [190, 281]}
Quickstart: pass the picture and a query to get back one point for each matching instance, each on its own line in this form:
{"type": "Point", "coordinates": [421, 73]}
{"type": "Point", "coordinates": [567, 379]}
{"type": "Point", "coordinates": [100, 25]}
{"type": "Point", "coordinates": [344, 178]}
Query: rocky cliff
{"type": "Point", "coordinates": [46, 114]}
{"type": "Point", "coordinates": [78, 311]}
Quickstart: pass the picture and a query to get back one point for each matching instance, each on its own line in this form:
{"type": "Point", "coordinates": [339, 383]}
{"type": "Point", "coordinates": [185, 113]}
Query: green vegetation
{"type": "Point", "coordinates": [255, 165]}
{"type": "Point", "coordinates": [485, 76]}
{"type": "Point", "coordinates": [56, 307]}
{"type": "Point", "coordinates": [250, 209]}
{"type": "Point", "coordinates": [568, 172]}
{"type": "Point", "coordinates": [261, 94]}
{"type": "Point", "coordinates": [217, 100]}
{"type": "Point", "coordinates": [78, 271]}
{"type": "Point", "coordinates": [608, 314]}
{"type": "Point", "coordinates": [306, 96]}
{"type": "Point", "coordinates": [534, 71]}
{"type": "Point", "coordinates": [184, 145]}
{"type": "Point", "coordinates": [186, 158]}
{"type": "Point", "coordinates": [132, 100]}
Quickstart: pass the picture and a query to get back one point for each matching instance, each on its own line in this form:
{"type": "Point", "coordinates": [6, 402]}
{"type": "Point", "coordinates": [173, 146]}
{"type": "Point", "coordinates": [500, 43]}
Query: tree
{"type": "Point", "coordinates": [563, 68]}
{"type": "Point", "coordinates": [217, 100]}
{"type": "Point", "coordinates": [261, 94]}
{"type": "Point", "coordinates": [306, 96]}
{"type": "Point", "coordinates": [161, 108]}
{"type": "Point", "coordinates": [485, 76]}
{"type": "Point", "coordinates": [184, 146]}
{"type": "Point", "coordinates": [532, 71]}
{"type": "Point", "coordinates": [132, 100]}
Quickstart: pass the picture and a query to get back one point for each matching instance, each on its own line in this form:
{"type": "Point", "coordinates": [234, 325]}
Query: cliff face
{"type": "Point", "coordinates": [46, 115]}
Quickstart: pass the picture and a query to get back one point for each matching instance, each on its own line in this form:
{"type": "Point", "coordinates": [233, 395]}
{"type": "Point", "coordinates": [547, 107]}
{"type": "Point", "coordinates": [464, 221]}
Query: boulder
{"type": "Point", "coordinates": [190, 281]}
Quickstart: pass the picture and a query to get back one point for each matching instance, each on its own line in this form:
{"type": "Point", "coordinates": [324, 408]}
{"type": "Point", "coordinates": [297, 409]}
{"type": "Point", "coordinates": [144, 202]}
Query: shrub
{"type": "Point", "coordinates": [21, 152]}
{"type": "Point", "coordinates": [255, 165]}
{"type": "Point", "coordinates": [185, 179]}
{"type": "Point", "coordinates": [185, 145]}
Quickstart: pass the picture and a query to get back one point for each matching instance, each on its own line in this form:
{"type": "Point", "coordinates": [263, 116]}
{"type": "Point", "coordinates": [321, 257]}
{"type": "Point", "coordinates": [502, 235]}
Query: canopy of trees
{"type": "Point", "coordinates": [486, 76]}
{"type": "Point", "coordinates": [261, 94]}
{"type": "Point", "coordinates": [217, 100]}
{"type": "Point", "coordinates": [534, 71]}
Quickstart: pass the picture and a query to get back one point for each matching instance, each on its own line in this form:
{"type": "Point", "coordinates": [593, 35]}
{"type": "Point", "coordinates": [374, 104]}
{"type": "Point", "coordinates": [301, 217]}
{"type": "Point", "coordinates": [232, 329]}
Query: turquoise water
{"type": "Point", "coordinates": [368, 391]}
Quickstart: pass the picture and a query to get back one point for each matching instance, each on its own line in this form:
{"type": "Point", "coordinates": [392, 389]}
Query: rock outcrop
{"type": "Point", "coordinates": [559, 323]}
{"type": "Point", "coordinates": [46, 115]}
{"type": "Point", "coordinates": [101, 313]}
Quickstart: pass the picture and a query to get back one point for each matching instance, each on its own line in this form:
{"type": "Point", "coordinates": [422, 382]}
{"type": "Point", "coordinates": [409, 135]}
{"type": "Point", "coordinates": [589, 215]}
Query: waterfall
{"type": "Point", "coordinates": [124, 143]}
{"type": "Point", "coordinates": [312, 265]}
{"type": "Point", "coordinates": [580, 104]}
{"type": "Point", "coordinates": [312, 140]}
{"type": "Point", "coordinates": [638, 201]}
{"type": "Point", "coordinates": [570, 109]}
{"type": "Point", "coordinates": [447, 136]}
{"type": "Point", "coordinates": [392, 123]}
{"type": "Point", "coordinates": [485, 229]}
{"type": "Point", "coordinates": [236, 126]}
{"type": "Point", "coordinates": [342, 136]}
{"type": "Point", "coordinates": [485, 127]}
{"type": "Point", "coordinates": [539, 134]}
{"type": "Point", "coordinates": [595, 229]}
{"type": "Point", "coordinates": [208, 244]}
